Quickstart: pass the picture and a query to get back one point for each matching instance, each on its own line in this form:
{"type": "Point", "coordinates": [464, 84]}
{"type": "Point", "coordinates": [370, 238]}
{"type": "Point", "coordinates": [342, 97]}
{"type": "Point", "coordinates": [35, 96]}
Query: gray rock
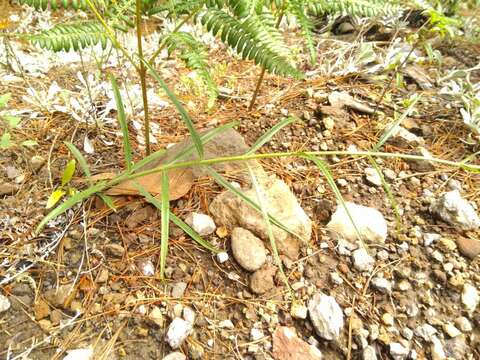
{"type": "Point", "coordinates": [177, 332]}
{"type": "Point", "coordinates": [398, 351]}
{"type": "Point", "coordinates": [373, 177]}
{"type": "Point", "coordinates": [177, 355]}
{"type": "Point", "coordinates": [463, 324]}
{"type": "Point", "coordinates": [369, 353]}
{"type": "Point", "coordinates": [248, 250]}
{"type": "Point", "coordinates": [230, 211]}
{"type": "Point", "coordinates": [362, 261]}
{"type": "Point", "coordinates": [436, 349]}
{"type": "Point", "coordinates": [407, 333]}
{"type": "Point", "coordinates": [178, 289]}
{"type": "Point", "coordinates": [369, 222]}
{"type": "Point", "coordinates": [326, 316]}
{"type": "Point", "coordinates": [457, 347]}
{"type": "Point", "coordinates": [4, 303]}
{"type": "Point", "coordinates": [455, 210]}
{"type": "Point", "coordinates": [382, 285]}
{"type": "Point", "coordinates": [426, 332]}
{"type": "Point", "coordinates": [201, 223]}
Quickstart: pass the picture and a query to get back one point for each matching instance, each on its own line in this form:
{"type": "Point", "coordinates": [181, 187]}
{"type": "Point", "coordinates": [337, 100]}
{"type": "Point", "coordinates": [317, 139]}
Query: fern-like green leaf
{"type": "Point", "coordinates": [298, 8]}
{"type": "Point", "coordinates": [193, 53]}
{"type": "Point", "coordinates": [368, 8]}
{"type": "Point", "coordinates": [65, 37]}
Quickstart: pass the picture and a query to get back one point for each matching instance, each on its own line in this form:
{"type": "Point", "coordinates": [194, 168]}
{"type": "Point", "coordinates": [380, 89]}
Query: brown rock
{"type": "Point", "coordinates": [468, 247]}
{"type": "Point", "coordinates": [7, 188]}
{"type": "Point", "coordinates": [262, 280]}
{"type": "Point", "coordinates": [56, 317]}
{"type": "Point", "coordinates": [288, 346]}
{"type": "Point", "coordinates": [115, 250]}
{"type": "Point", "coordinates": [62, 296]}
{"type": "Point", "coordinates": [41, 309]}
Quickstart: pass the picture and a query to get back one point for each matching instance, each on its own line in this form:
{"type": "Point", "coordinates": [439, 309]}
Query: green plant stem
{"type": "Point", "coordinates": [262, 74]}
{"type": "Point", "coordinates": [142, 72]}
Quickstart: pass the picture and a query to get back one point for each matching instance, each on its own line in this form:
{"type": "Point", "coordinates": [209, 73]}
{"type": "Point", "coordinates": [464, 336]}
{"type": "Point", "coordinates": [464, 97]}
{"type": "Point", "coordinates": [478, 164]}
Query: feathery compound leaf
{"type": "Point", "coordinates": [298, 8]}
{"type": "Point", "coordinates": [57, 4]}
{"type": "Point", "coordinates": [70, 36]}
{"type": "Point", "coordinates": [353, 7]}
{"type": "Point", "coordinates": [193, 53]}
{"type": "Point", "coordinates": [254, 38]}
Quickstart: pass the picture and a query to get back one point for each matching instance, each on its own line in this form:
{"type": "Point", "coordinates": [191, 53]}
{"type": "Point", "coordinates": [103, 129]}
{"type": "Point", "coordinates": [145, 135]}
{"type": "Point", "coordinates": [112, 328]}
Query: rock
{"type": "Point", "coordinates": [456, 348]}
{"type": "Point", "coordinates": [288, 346]}
{"type": "Point", "coordinates": [398, 351]}
{"type": "Point", "coordinates": [470, 297]}
{"type": "Point", "coordinates": [451, 330]}
{"type": "Point", "coordinates": [407, 333]}
{"type": "Point", "coordinates": [177, 355]}
{"type": "Point", "coordinates": [79, 354]}
{"type": "Point", "coordinates": [369, 222]}
{"type": "Point", "coordinates": [382, 285]}
{"type": "Point", "coordinates": [248, 250]}
{"type": "Point", "coordinates": [328, 123]}
{"type": "Point", "coordinates": [470, 248]}
{"type": "Point", "coordinates": [403, 138]}
{"type": "Point", "coordinates": [388, 319]}
{"type": "Point", "coordinates": [156, 316]}
{"type": "Point", "coordinates": [226, 324]}
{"type": "Point", "coordinates": [60, 297]}
{"type": "Point", "coordinates": [299, 311]}
{"type": "Point", "coordinates": [463, 324]}
{"type": "Point", "coordinates": [326, 316]}
{"type": "Point", "coordinates": [340, 99]}
{"type": "Point", "coordinates": [189, 315]}
{"type": "Point", "coordinates": [178, 289]}
{"type": "Point", "coordinates": [36, 162]}
{"type": "Point", "coordinates": [362, 261]}
{"type": "Point", "coordinates": [369, 353]}
{"type": "Point", "coordinates": [262, 280]}
{"type": "Point", "coordinates": [222, 257]}
{"type": "Point", "coordinates": [436, 349]}
{"type": "Point", "coordinates": [336, 278]}
{"type": "Point", "coordinates": [230, 211]}
{"type": "Point", "coordinates": [455, 210]}
{"type": "Point", "coordinates": [201, 223]}
{"type": "Point", "coordinates": [426, 332]}
{"type": "Point", "coordinates": [256, 334]}
{"type": "Point", "coordinates": [177, 332]}
{"type": "Point", "coordinates": [423, 165]}
{"type": "Point", "coordinates": [373, 176]}
{"type": "Point", "coordinates": [7, 188]}
{"type": "Point", "coordinates": [41, 310]}
{"type": "Point", "coordinates": [4, 303]}
{"type": "Point", "coordinates": [430, 238]}
{"type": "Point", "coordinates": [116, 250]}
{"type": "Point", "coordinates": [102, 276]}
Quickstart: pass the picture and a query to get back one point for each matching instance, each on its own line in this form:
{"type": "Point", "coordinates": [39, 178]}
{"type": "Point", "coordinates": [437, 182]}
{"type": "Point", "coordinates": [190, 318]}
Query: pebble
{"type": "Point", "coordinates": [398, 351]}
{"type": "Point", "coordinates": [326, 316]}
{"type": "Point", "coordinates": [451, 330]}
{"type": "Point", "coordinates": [373, 177]}
{"type": "Point", "coordinates": [382, 285]}
{"type": "Point", "coordinates": [156, 316]}
{"type": "Point", "coordinates": [388, 319]}
{"type": "Point", "coordinates": [369, 353]}
{"type": "Point", "coordinates": [470, 248]}
{"type": "Point", "coordinates": [177, 332]}
{"type": "Point", "coordinates": [407, 333]}
{"type": "Point", "coordinates": [463, 324]}
{"type": "Point", "coordinates": [7, 188]}
{"type": "Point", "coordinates": [262, 280]}
{"type": "Point", "coordinates": [178, 289]}
{"type": "Point", "coordinates": [430, 238]}
{"type": "Point", "coordinates": [389, 174]}
{"type": "Point", "coordinates": [455, 210]}
{"type": "Point", "coordinates": [256, 334]}
{"type": "Point", "coordinates": [226, 324]}
{"type": "Point", "coordinates": [299, 311]}
{"type": "Point", "coordinates": [116, 250]}
{"type": "Point", "coordinates": [336, 278]}
{"type": "Point", "coordinates": [201, 223]}
{"type": "Point", "coordinates": [426, 332]}
{"type": "Point", "coordinates": [362, 261]}
{"type": "Point", "coordinates": [177, 355]}
{"type": "Point", "coordinates": [4, 303]}
{"type": "Point", "coordinates": [36, 162]}
{"type": "Point", "coordinates": [222, 257]}
{"type": "Point", "coordinates": [79, 354]}
{"type": "Point", "coordinates": [41, 310]}
{"type": "Point", "coordinates": [436, 349]}
{"type": "Point", "coordinates": [248, 250]}
{"type": "Point", "coordinates": [189, 315]}
{"type": "Point", "coordinates": [470, 297]}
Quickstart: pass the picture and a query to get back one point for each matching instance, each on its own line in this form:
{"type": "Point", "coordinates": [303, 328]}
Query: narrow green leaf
{"type": "Point", "coordinates": [270, 133]}
{"type": "Point", "coordinates": [152, 157]}
{"type": "Point", "coordinates": [54, 198]}
{"type": "Point", "coordinates": [80, 158]}
{"type": "Point", "coordinates": [331, 182]}
{"type": "Point", "coordinates": [12, 121]}
{"type": "Point", "coordinates": [165, 218]}
{"type": "Point", "coordinates": [186, 118]}
{"type": "Point", "coordinates": [122, 119]}
{"type": "Point", "coordinates": [29, 143]}
{"type": "Point", "coordinates": [5, 142]}
{"type": "Point", "coordinates": [68, 172]}
{"type": "Point", "coordinates": [69, 203]}
{"type": "Point", "coordinates": [108, 201]}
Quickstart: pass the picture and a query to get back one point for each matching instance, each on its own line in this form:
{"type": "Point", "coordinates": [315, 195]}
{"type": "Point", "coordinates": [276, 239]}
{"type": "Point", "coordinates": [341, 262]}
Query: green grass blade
{"type": "Point", "coordinates": [270, 133]}
{"type": "Point", "coordinates": [219, 179]}
{"type": "Point", "coordinates": [80, 158]}
{"type": "Point", "coordinates": [146, 160]}
{"type": "Point", "coordinates": [186, 118]}
{"type": "Point", "coordinates": [108, 201]}
{"type": "Point", "coordinates": [395, 125]}
{"type": "Point", "coordinates": [69, 203]}
{"type": "Point", "coordinates": [193, 234]}
{"type": "Point", "coordinates": [266, 219]}
{"type": "Point", "coordinates": [122, 119]}
{"type": "Point", "coordinates": [165, 216]}
{"type": "Point", "coordinates": [331, 182]}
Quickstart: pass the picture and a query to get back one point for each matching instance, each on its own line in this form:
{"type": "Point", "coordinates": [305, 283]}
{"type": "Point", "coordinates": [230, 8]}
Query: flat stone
{"type": "Point", "coordinates": [248, 250]}
{"type": "Point", "coordinates": [373, 176]}
{"type": "Point", "coordinates": [326, 316]}
{"type": "Point", "coordinates": [178, 289]}
{"type": "Point", "coordinates": [177, 355]}
{"type": "Point", "coordinates": [288, 346]}
{"type": "Point", "coordinates": [362, 261]}
{"type": "Point", "coordinates": [470, 297]}
{"type": "Point", "coordinates": [369, 353]}
{"type": "Point", "coordinates": [116, 250]}
{"type": "Point", "coordinates": [4, 303]}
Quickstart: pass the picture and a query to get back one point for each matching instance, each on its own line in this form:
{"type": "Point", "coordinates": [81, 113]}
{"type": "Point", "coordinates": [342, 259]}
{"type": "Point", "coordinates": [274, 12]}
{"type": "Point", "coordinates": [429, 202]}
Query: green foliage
{"type": "Point", "coordinates": [194, 54]}
{"type": "Point", "coordinates": [354, 7]}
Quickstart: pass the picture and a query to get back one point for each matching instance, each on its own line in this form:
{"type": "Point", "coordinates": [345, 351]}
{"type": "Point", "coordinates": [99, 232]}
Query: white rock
{"type": "Point", "coordinates": [373, 177]}
{"type": "Point", "coordinates": [336, 278]}
{"type": "Point", "coordinates": [326, 316]}
{"type": "Point", "coordinates": [177, 355]}
{"type": "Point", "coordinates": [436, 349]}
{"type": "Point", "coordinates": [178, 289]}
{"type": "Point", "coordinates": [402, 136]}
{"type": "Point", "coordinates": [426, 332]}
{"type": "Point", "coordinates": [470, 297]}
{"type": "Point", "coordinates": [226, 324]}
{"type": "Point", "coordinates": [430, 238]}
{"type": "Point", "coordinates": [382, 285]}
{"type": "Point", "coordinates": [177, 332]}
{"type": "Point", "coordinates": [222, 257]}
{"type": "Point", "coordinates": [201, 223]}
{"type": "Point", "coordinates": [369, 353]}
{"type": "Point", "coordinates": [398, 351]}
{"type": "Point", "coordinates": [188, 314]}
{"type": "Point", "coordinates": [463, 324]}
{"type": "Point", "coordinates": [4, 303]}
{"type": "Point", "coordinates": [156, 316]}
{"type": "Point", "coordinates": [362, 261]}
{"type": "Point", "coordinates": [79, 354]}
{"type": "Point", "coordinates": [407, 333]}
{"type": "Point", "coordinates": [455, 210]}
{"type": "Point", "coordinates": [299, 311]}
{"type": "Point", "coordinates": [369, 222]}
{"type": "Point", "coordinates": [256, 334]}
{"type": "Point", "coordinates": [248, 249]}
{"type": "Point", "coordinates": [451, 330]}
